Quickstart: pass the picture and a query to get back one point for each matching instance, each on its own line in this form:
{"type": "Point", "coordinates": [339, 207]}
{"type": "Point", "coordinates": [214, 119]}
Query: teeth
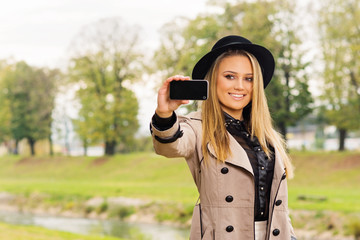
{"type": "Point", "coordinates": [237, 95]}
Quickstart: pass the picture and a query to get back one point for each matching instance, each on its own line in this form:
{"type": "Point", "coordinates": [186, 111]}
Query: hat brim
{"type": "Point", "coordinates": [263, 56]}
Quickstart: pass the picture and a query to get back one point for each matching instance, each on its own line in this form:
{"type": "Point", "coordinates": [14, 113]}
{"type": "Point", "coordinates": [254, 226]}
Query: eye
{"type": "Point", "coordinates": [229, 76]}
{"type": "Point", "coordinates": [250, 79]}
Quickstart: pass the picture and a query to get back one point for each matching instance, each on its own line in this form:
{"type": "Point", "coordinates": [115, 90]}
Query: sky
{"type": "Point", "coordinates": [41, 31]}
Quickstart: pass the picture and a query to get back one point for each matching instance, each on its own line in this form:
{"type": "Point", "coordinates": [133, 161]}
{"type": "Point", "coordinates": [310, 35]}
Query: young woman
{"type": "Point", "coordinates": [237, 159]}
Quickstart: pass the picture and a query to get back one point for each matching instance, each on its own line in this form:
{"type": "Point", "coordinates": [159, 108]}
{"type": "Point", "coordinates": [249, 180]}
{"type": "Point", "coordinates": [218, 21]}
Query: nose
{"type": "Point", "coordinates": [239, 84]}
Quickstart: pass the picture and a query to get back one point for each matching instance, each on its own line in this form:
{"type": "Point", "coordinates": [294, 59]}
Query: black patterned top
{"type": "Point", "coordinates": [262, 166]}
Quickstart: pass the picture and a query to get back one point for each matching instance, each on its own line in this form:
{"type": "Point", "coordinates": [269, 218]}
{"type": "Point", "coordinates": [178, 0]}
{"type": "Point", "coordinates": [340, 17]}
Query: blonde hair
{"type": "Point", "coordinates": [214, 130]}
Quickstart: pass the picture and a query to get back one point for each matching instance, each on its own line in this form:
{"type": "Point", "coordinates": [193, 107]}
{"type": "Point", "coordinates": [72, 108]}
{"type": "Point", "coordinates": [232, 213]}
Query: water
{"type": "Point", "coordinates": [86, 226]}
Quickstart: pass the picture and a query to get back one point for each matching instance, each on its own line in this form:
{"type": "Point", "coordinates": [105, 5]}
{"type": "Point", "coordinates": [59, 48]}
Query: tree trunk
{"type": "Point", "coordinates": [16, 150]}
{"type": "Point", "coordinates": [282, 129]}
{"type": "Point", "coordinates": [342, 136]}
{"type": "Point", "coordinates": [32, 145]}
{"type": "Point", "coordinates": [110, 147]}
{"type": "Point", "coordinates": [51, 146]}
{"type": "Point", "coordinates": [287, 97]}
{"type": "Point", "coordinates": [282, 125]}
{"type": "Point", "coordinates": [85, 145]}
{"type": "Point", "coordinates": [67, 143]}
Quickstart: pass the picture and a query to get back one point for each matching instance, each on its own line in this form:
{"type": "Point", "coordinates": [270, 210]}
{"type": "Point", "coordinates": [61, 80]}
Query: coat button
{"type": "Point", "coordinates": [278, 202]}
{"type": "Point", "coordinates": [276, 232]}
{"type": "Point", "coordinates": [229, 228]}
{"type": "Point", "coordinates": [229, 198]}
{"type": "Point", "coordinates": [224, 170]}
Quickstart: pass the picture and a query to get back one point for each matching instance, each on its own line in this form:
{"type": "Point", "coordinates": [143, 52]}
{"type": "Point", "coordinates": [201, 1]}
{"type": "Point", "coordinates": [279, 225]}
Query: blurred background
{"type": "Point", "coordinates": [78, 85]}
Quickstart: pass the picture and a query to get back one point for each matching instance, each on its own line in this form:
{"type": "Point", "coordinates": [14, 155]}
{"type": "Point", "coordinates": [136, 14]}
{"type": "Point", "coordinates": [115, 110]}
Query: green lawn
{"type": "Point", "coordinates": [327, 181]}
{"type": "Point", "coordinates": [140, 175]}
{"type": "Point", "coordinates": [332, 177]}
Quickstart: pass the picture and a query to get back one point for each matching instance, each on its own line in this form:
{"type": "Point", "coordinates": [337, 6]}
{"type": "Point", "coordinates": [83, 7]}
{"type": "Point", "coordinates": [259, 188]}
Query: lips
{"type": "Point", "coordinates": [237, 96]}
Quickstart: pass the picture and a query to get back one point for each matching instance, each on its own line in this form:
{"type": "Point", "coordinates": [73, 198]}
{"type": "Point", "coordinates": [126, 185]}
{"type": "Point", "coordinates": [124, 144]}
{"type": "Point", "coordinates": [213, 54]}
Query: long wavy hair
{"type": "Point", "coordinates": [214, 130]}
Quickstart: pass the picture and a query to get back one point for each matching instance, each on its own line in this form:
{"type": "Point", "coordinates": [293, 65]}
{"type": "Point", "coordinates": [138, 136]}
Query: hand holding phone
{"type": "Point", "coordinates": [189, 90]}
{"type": "Point", "coordinates": [165, 105]}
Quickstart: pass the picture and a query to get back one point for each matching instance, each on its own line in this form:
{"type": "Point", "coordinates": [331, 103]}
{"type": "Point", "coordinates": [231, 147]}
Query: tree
{"type": "Point", "coordinates": [5, 117]}
{"type": "Point", "coordinates": [30, 93]}
{"type": "Point", "coordinates": [5, 114]}
{"type": "Point", "coordinates": [339, 22]}
{"type": "Point", "coordinates": [289, 96]}
{"type": "Point", "coordinates": [105, 59]}
{"type": "Point", "coordinates": [263, 23]}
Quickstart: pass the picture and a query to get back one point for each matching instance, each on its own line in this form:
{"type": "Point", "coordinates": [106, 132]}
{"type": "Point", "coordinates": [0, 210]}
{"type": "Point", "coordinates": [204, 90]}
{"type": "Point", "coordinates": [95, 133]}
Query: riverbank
{"type": "Point", "coordinates": [144, 187]}
{"type": "Point", "coordinates": [95, 227]}
{"type": "Point", "coordinates": [120, 208]}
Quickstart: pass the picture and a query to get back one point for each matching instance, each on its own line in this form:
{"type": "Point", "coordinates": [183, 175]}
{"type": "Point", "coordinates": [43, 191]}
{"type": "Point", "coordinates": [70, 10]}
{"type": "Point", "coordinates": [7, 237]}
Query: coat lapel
{"type": "Point", "coordinates": [238, 155]}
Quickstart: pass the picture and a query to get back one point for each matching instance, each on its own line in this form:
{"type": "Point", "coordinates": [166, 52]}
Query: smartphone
{"type": "Point", "coordinates": [189, 90]}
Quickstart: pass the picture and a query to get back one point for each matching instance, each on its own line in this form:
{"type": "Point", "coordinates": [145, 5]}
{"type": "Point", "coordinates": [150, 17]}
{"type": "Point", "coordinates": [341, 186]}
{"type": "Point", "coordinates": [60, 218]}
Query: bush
{"type": "Point", "coordinates": [174, 213]}
{"type": "Point", "coordinates": [89, 209]}
{"type": "Point", "coordinates": [354, 228]}
{"type": "Point", "coordinates": [103, 207]}
{"type": "Point", "coordinates": [121, 211]}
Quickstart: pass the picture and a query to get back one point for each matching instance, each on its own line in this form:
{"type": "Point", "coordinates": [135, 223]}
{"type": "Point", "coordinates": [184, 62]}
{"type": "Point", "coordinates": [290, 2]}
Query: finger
{"type": "Point", "coordinates": [177, 78]}
{"type": "Point", "coordinates": [181, 102]}
{"type": "Point", "coordinates": [182, 78]}
{"type": "Point", "coordinates": [178, 103]}
{"type": "Point", "coordinates": [173, 78]}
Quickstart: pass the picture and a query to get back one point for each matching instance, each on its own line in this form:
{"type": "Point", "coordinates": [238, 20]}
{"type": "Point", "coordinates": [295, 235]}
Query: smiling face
{"type": "Point", "coordinates": [234, 85]}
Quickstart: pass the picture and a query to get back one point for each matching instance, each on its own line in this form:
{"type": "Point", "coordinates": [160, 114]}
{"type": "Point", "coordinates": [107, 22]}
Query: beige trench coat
{"type": "Point", "coordinates": [218, 219]}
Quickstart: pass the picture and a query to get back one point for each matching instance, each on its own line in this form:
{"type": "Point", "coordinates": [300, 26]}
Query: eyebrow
{"type": "Point", "coordinates": [247, 74]}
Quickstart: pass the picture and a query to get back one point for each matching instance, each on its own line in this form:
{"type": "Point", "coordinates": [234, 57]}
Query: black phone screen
{"type": "Point", "coordinates": [189, 90]}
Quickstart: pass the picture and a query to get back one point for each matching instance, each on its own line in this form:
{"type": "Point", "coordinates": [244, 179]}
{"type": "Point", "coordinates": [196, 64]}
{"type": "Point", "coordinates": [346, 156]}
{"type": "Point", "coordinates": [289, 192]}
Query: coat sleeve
{"type": "Point", "coordinates": [177, 141]}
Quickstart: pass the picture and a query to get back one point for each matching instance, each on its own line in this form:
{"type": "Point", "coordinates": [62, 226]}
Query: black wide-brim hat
{"type": "Point", "coordinates": [263, 55]}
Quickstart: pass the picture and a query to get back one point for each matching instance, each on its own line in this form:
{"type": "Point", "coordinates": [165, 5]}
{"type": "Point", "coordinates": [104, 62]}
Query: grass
{"type": "Point", "coordinates": [327, 180]}
{"type": "Point", "coordinates": [333, 176]}
{"type": "Point", "coordinates": [141, 175]}
{"type": "Point", "coordinates": [8, 231]}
